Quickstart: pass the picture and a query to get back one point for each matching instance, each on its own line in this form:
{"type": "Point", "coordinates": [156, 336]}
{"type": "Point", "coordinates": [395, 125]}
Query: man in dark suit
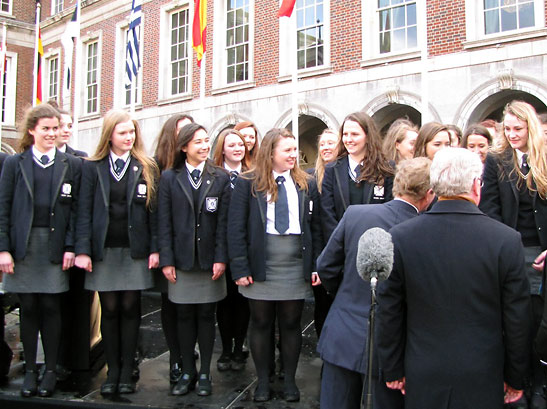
{"type": "Point", "coordinates": [454, 315]}
{"type": "Point", "coordinates": [343, 340]}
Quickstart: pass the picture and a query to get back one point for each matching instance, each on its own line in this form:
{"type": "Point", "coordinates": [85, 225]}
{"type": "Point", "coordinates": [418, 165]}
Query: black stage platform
{"type": "Point", "coordinates": [231, 390]}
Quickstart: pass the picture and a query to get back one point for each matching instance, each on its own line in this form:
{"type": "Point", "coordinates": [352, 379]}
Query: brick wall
{"type": "Point", "coordinates": [346, 34]}
{"type": "Point", "coordinates": [25, 10]}
{"type": "Point", "coordinates": [445, 26]}
{"type": "Point", "coordinates": [266, 48]}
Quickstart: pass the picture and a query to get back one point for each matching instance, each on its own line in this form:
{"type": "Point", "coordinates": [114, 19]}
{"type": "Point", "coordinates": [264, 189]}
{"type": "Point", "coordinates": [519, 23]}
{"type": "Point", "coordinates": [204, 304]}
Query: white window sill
{"type": "Point", "coordinates": [501, 38]}
{"type": "Point", "coordinates": [389, 58]}
{"type": "Point", "coordinates": [177, 98]}
{"type": "Point", "coordinates": [306, 73]}
{"type": "Point", "coordinates": [233, 87]}
{"type": "Point", "coordinates": [90, 117]}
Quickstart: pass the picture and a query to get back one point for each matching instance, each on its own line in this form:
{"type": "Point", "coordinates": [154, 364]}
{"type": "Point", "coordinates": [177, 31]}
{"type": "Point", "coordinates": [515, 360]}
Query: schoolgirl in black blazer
{"type": "Point", "coordinates": [38, 201]}
{"type": "Point", "coordinates": [116, 239]}
{"type": "Point", "coordinates": [232, 155]}
{"type": "Point", "coordinates": [273, 265]}
{"type": "Point", "coordinates": [165, 156]}
{"type": "Point", "coordinates": [192, 210]}
{"type": "Point", "coordinates": [515, 193]}
{"type": "Point", "coordinates": [361, 175]}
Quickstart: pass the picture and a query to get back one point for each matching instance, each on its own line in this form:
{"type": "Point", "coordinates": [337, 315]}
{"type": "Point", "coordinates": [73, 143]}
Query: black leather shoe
{"type": "Point", "coordinates": [29, 387]}
{"type": "Point", "coordinates": [238, 362]}
{"type": "Point", "coordinates": [224, 362]}
{"type": "Point", "coordinates": [186, 383]}
{"type": "Point", "coordinates": [47, 386]}
{"type": "Point", "coordinates": [262, 393]}
{"type": "Point", "coordinates": [175, 374]}
{"type": "Point", "coordinates": [291, 393]}
{"type": "Point", "coordinates": [108, 388]}
{"type": "Point", "coordinates": [205, 386]}
{"type": "Point", "coordinates": [126, 388]}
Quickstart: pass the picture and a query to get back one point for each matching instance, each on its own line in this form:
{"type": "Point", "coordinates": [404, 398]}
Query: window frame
{"type": "Point", "coordinates": [10, 7]}
{"type": "Point", "coordinates": [11, 90]}
{"type": "Point", "coordinates": [57, 6]}
{"type": "Point", "coordinates": [220, 57]}
{"type": "Point", "coordinates": [54, 54]}
{"type": "Point", "coordinates": [164, 63]}
{"type": "Point", "coordinates": [120, 94]}
{"type": "Point", "coordinates": [91, 38]}
{"type": "Point", "coordinates": [475, 28]}
{"type": "Point", "coordinates": [286, 26]}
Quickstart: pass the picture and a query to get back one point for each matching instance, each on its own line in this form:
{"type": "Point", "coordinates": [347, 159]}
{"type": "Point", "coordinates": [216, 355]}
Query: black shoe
{"type": "Point", "coordinates": [175, 373]}
{"type": "Point", "coordinates": [47, 386]}
{"type": "Point", "coordinates": [224, 363]}
{"type": "Point", "coordinates": [6, 355]}
{"type": "Point", "coordinates": [291, 393]}
{"type": "Point", "coordinates": [184, 385]}
{"type": "Point", "coordinates": [108, 388]}
{"type": "Point", "coordinates": [238, 361]}
{"type": "Point", "coordinates": [126, 388]}
{"type": "Point", "coordinates": [30, 387]}
{"type": "Point", "coordinates": [62, 373]}
{"type": "Point", "coordinates": [205, 386]}
{"type": "Point", "coordinates": [262, 393]}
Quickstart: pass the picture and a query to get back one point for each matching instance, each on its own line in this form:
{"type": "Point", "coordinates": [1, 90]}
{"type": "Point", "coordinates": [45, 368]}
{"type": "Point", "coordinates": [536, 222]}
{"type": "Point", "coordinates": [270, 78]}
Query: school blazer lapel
{"type": "Point", "coordinates": [60, 167]}
{"type": "Point", "coordinates": [368, 188]}
{"type": "Point", "coordinates": [184, 183]}
{"type": "Point", "coordinates": [262, 207]}
{"type": "Point", "coordinates": [135, 171]}
{"type": "Point", "coordinates": [301, 204]}
{"type": "Point", "coordinates": [26, 170]}
{"type": "Point", "coordinates": [206, 183]}
{"type": "Point", "coordinates": [103, 174]}
{"type": "Point", "coordinates": [511, 177]}
{"type": "Point", "coordinates": [341, 176]}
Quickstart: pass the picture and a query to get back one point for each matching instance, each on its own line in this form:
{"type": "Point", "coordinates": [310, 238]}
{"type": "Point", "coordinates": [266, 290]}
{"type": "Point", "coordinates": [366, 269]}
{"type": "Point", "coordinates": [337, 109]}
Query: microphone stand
{"type": "Point", "coordinates": [367, 385]}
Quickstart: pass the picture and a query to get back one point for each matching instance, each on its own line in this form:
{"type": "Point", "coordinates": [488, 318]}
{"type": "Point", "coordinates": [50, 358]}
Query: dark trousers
{"type": "Point", "coordinates": [342, 389]}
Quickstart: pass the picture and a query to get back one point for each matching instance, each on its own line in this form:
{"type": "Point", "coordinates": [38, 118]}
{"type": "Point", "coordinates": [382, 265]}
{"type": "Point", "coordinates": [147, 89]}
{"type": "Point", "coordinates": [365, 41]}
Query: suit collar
{"type": "Point", "coordinates": [403, 205]}
{"type": "Point", "coordinates": [341, 180]}
{"type": "Point", "coordinates": [26, 164]}
{"type": "Point", "coordinates": [455, 206]}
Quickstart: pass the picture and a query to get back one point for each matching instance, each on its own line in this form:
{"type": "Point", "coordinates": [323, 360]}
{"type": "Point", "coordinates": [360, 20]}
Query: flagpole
{"type": "Point", "coordinates": [294, 79]}
{"type": "Point", "coordinates": [422, 27]}
{"type": "Point", "coordinates": [37, 29]}
{"type": "Point", "coordinates": [3, 72]}
{"type": "Point", "coordinates": [202, 89]}
{"type": "Point", "coordinates": [75, 91]}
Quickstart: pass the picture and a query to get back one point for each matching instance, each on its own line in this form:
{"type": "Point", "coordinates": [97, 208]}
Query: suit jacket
{"type": "Point", "coordinates": [454, 315]}
{"type": "Point", "coordinates": [500, 196]}
{"type": "Point", "coordinates": [17, 204]}
{"type": "Point", "coordinates": [93, 211]}
{"type": "Point", "coordinates": [75, 152]}
{"type": "Point", "coordinates": [247, 230]}
{"type": "Point", "coordinates": [179, 230]}
{"type": "Point", "coordinates": [335, 194]}
{"type": "Point", "coordinates": [344, 335]}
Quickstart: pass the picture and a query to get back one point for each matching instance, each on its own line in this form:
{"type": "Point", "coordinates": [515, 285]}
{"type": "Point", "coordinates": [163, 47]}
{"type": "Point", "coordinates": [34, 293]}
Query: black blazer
{"type": "Point", "coordinates": [344, 335]}
{"type": "Point", "coordinates": [335, 194]}
{"type": "Point", "coordinates": [75, 152]}
{"type": "Point", "coordinates": [454, 315]}
{"type": "Point", "coordinates": [93, 211]}
{"type": "Point", "coordinates": [180, 232]}
{"type": "Point", "coordinates": [500, 196]}
{"type": "Point", "coordinates": [247, 230]}
{"type": "Point", "coordinates": [17, 204]}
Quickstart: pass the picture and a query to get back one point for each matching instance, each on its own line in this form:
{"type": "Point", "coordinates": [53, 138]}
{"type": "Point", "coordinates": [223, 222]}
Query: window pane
{"type": "Point", "coordinates": [412, 37]}
{"type": "Point", "coordinates": [398, 17]}
{"type": "Point", "coordinates": [398, 40]}
{"type": "Point", "coordinates": [411, 14]}
{"type": "Point", "coordinates": [491, 3]}
{"type": "Point", "coordinates": [508, 18]}
{"type": "Point", "coordinates": [383, 3]}
{"type": "Point", "coordinates": [385, 20]}
{"type": "Point", "coordinates": [526, 15]}
{"type": "Point", "coordinates": [385, 42]}
{"type": "Point", "coordinates": [310, 16]}
{"type": "Point", "coordinates": [491, 22]}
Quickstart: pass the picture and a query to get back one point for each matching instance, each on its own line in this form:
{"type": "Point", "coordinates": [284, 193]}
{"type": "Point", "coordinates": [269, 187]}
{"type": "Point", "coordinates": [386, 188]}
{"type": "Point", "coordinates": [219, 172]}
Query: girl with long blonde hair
{"type": "Point", "coordinates": [116, 239]}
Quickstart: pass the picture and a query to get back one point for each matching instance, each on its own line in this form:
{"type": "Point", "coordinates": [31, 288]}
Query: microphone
{"type": "Point", "coordinates": [374, 255]}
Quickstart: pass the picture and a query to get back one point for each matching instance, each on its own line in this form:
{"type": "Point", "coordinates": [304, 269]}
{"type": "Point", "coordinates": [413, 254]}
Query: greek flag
{"type": "Point", "coordinates": [132, 57]}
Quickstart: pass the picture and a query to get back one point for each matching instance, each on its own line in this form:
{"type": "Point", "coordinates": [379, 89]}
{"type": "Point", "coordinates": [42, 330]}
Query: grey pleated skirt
{"type": "Point", "coordinates": [35, 273]}
{"type": "Point", "coordinates": [284, 272]}
{"type": "Point", "coordinates": [196, 287]}
{"type": "Point", "coordinates": [117, 271]}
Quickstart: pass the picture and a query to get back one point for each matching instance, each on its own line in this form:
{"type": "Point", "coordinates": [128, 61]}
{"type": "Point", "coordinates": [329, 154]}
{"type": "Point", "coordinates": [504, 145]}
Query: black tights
{"type": "Point", "coordinates": [169, 325]}
{"type": "Point", "coordinates": [233, 319]}
{"type": "Point", "coordinates": [40, 312]}
{"type": "Point", "coordinates": [196, 322]}
{"type": "Point", "coordinates": [288, 314]}
{"type": "Point", "coordinates": [120, 321]}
